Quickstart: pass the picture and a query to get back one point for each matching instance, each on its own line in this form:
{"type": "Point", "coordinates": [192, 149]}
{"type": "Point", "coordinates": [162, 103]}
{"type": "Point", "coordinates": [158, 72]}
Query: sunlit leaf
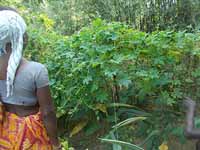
{"type": "Point", "coordinates": [102, 108]}
{"type": "Point", "coordinates": [78, 127]}
{"type": "Point", "coordinates": [163, 146]}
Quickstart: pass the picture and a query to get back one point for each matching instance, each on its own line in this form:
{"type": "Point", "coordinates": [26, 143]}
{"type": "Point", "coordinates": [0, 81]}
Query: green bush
{"type": "Point", "coordinates": [108, 63]}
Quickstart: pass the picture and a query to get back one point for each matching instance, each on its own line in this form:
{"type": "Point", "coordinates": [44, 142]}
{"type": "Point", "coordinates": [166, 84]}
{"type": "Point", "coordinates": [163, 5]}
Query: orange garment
{"type": "Point", "coordinates": [23, 133]}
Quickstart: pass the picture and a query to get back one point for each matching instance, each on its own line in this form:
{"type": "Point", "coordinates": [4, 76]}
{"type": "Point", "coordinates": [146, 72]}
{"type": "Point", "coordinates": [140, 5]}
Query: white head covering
{"type": "Point", "coordinates": [12, 29]}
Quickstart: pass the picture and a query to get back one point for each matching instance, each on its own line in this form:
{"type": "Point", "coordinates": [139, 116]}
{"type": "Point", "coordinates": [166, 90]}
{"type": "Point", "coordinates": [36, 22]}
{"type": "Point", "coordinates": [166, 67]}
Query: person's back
{"type": "Point", "coordinates": [30, 76]}
{"type": "Point", "coordinates": [24, 88]}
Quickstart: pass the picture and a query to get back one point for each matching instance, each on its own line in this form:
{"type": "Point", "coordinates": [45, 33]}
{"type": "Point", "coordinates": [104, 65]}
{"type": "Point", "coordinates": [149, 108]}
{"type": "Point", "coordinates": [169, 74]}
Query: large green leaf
{"type": "Point", "coordinates": [128, 121]}
{"type": "Point", "coordinates": [125, 144]}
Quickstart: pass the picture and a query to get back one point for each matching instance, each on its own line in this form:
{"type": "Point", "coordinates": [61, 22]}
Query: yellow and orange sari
{"type": "Point", "coordinates": [23, 133]}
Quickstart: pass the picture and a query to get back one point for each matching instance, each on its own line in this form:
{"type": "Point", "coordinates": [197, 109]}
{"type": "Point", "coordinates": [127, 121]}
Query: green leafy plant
{"type": "Point", "coordinates": [111, 72]}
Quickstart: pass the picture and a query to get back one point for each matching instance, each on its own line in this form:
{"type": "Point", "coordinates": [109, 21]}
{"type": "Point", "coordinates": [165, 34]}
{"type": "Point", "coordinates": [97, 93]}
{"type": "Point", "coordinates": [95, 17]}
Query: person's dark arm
{"type": "Point", "coordinates": [48, 114]}
{"type": "Point", "coordinates": [190, 131]}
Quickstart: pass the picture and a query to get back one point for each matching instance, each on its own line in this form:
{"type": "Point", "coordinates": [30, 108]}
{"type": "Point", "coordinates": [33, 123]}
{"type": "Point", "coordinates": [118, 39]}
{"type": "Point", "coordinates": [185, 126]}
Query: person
{"type": "Point", "coordinates": [190, 131]}
{"type": "Point", "coordinates": [29, 120]}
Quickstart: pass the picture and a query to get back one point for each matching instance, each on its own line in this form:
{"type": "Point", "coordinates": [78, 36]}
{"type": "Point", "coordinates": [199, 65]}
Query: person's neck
{"type": "Point", "coordinates": [4, 60]}
{"type": "Point", "coordinates": [5, 57]}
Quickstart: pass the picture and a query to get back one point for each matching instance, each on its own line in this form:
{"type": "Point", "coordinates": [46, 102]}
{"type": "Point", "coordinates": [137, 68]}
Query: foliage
{"type": "Point", "coordinates": [147, 15]}
{"type": "Point", "coordinates": [108, 63]}
{"type": "Point", "coordinates": [131, 146]}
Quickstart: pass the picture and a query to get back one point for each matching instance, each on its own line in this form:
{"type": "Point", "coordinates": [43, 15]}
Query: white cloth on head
{"type": "Point", "coordinates": [12, 29]}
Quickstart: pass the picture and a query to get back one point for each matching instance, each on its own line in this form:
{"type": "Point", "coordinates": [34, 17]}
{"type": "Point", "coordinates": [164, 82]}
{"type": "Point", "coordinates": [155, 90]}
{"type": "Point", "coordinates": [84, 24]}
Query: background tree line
{"type": "Point", "coordinates": [145, 15]}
